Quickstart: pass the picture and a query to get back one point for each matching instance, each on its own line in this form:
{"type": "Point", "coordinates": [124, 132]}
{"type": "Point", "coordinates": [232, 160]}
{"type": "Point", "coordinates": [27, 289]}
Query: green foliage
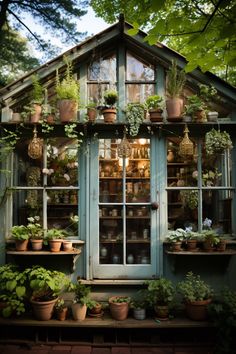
{"type": "Point", "coordinates": [175, 80]}
{"type": "Point", "coordinates": [35, 230]}
{"type": "Point", "coordinates": [120, 299]}
{"type": "Point", "coordinates": [110, 98]}
{"type": "Point", "coordinates": [54, 233]}
{"type": "Point", "coordinates": [68, 87]}
{"type": "Point", "coordinates": [217, 141]}
{"type": "Point", "coordinates": [140, 299]}
{"type": "Point", "coordinates": [46, 284]}
{"type": "Point", "coordinates": [59, 305]}
{"type": "Point", "coordinates": [195, 103]}
{"type": "Point", "coordinates": [223, 315]}
{"type": "Point", "coordinates": [19, 232]}
{"type": "Point", "coordinates": [8, 140]}
{"type": "Point", "coordinates": [190, 198]}
{"type": "Point", "coordinates": [203, 31]}
{"type": "Point", "coordinates": [135, 117]}
{"type": "Point", "coordinates": [82, 295]}
{"type": "Point", "coordinates": [210, 236]}
{"type": "Point", "coordinates": [154, 102]}
{"type": "Point", "coordinates": [160, 291]}
{"type": "Point", "coordinates": [177, 235]}
{"type": "Point", "coordinates": [193, 288]}
{"type": "Point", "coordinates": [37, 92]}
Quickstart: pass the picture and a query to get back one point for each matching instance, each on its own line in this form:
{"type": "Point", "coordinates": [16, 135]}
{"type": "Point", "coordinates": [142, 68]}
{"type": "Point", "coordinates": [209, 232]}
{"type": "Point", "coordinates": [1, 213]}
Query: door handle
{"type": "Point", "coordinates": [154, 206]}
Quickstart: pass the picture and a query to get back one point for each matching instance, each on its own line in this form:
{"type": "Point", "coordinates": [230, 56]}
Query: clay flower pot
{"type": "Point", "coordinates": [43, 310]}
{"type": "Point", "coordinates": [197, 310]}
{"type": "Point", "coordinates": [55, 245]}
{"type": "Point", "coordinates": [21, 245]}
{"type": "Point", "coordinates": [119, 310]}
{"type": "Point", "coordinates": [79, 311]}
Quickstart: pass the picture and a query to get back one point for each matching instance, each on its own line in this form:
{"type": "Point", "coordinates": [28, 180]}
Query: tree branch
{"type": "Point", "coordinates": [3, 12]}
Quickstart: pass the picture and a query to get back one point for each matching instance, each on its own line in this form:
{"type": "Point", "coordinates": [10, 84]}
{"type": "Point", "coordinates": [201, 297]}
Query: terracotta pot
{"type": "Point", "coordinates": [37, 245]}
{"type": "Point", "coordinates": [155, 115]}
{"type": "Point", "coordinates": [67, 110]}
{"type": "Point", "coordinates": [174, 107]}
{"type": "Point", "coordinates": [43, 310]}
{"type": "Point", "coordinates": [16, 117]}
{"type": "Point", "coordinates": [191, 245]}
{"type": "Point", "coordinates": [176, 246]}
{"type": "Point", "coordinates": [79, 312]}
{"type": "Point", "coordinates": [119, 310]}
{"type": "Point", "coordinates": [162, 311]}
{"type": "Point", "coordinates": [61, 315]}
{"type": "Point", "coordinates": [55, 245]}
{"type": "Point", "coordinates": [197, 310]}
{"type": "Point", "coordinates": [207, 246]}
{"type": "Point", "coordinates": [92, 114]}
{"type": "Point", "coordinates": [109, 115]}
{"type": "Point", "coordinates": [96, 309]}
{"type": "Point", "coordinates": [34, 118]}
{"type": "Point", "coordinates": [221, 246]}
{"type": "Point", "coordinates": [67, 245]}
{"type": "Point", "coordinates": [21, 245]}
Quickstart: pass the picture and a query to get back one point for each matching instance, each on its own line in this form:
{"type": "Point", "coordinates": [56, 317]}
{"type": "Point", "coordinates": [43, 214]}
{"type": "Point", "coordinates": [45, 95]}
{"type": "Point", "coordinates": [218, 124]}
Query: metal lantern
{"type": "Point", "coordinates": [124, 149]}
{"type": "Point", "coordinates": [35, 147]}
{"type": "Point", "coordinates": [186, 146]}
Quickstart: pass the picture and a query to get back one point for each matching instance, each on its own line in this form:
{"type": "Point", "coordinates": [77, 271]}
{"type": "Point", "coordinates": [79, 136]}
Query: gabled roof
{"type": "Point", "coordinates": [117, 32]}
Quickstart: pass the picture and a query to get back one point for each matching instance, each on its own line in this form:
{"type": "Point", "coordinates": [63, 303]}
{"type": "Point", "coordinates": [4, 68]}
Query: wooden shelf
{"type": "Point", "coordinates": [229, 252]}
{"type": "Point", "coordinates": [73, 252]}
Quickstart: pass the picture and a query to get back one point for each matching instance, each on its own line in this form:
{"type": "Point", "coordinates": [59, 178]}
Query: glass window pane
{"type": "Point", "coordinates": [136, 70]}
{"type": "Point", "coordinates": [103, 69]}
{"type": "Point", "coordinates": [27, 203]}
{"type": "Point", "coordinates": [138, 92]}
{"type": "Point", "coordinates": [96, 91]}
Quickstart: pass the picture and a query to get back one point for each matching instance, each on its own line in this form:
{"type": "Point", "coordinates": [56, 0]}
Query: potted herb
{"type": "Point", "coordinates": [46, 285]}
{"type": "Point", "coordinates": [119, 307]}
{"type": "Point", "coordinates": [207, 93]}
{"type": "Point", "coordinates": [154, 105]}
{"type": "Point", "coordinates": [67, 91]}
{"type": "Point", "coordinates": [196, 108]}
{"type": "Point", "coordinates": [161, 293]}
{"type": "Point", "coordinates": [82, 301]}
{"type": "Point", "coordinates": [110, 98]}
{"type": "Point", "coordinates": [216, 142]}
{"type": "Point", "coordinates": [210, 239]}
{"type": "Point", "coordinates": [20, 234]}
{"type": "Point", "coordinates": [139, 303]}
{"type": "Point", "coordinates": [34, 109]}
{"type": "Point", "coordinates": [60, 309]}
{"type": "Point", "coordinates": [176, 238]}
{"type": "Point", "coordinates": [135, 114]}
{"type": "Point", "coordinates": [36, 233]}
{"type": "Point", "coordinates": [197, 294]}
{"type": "Point", "coordinates": [191, 239]}
{"type": "Point", "coordinates": [96, 310]}
{"type": "Point", "coordinates": [54, 237]}
{"type": "Point", "coordinates": [175, 84]}
{"type": "Point", "coordinates": [91, 110]}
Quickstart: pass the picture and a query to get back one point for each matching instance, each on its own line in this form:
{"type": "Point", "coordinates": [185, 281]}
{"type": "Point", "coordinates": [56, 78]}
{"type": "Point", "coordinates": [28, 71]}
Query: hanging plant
{"type": "Point", "coordinates": [217, 142]}
{"type": "Point", "coordinates": [135, 117]}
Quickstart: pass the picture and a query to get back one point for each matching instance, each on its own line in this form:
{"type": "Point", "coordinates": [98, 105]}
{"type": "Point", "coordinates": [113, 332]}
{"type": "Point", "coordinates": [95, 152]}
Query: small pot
{"type": "Point", "coordinates": [67, 245]}
{"type": "Point", "coordinates": [139, 314]}
{"type": "Point", "coordinates": [55, 245]}
{"type": "Point", "coordinates": [36, 245]}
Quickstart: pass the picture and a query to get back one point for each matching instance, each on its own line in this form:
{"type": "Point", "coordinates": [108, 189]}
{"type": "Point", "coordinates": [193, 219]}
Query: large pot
{"type": "Point", "coordinates": [43, 310]}
{"type": "Point", "coordinates": [21, 245]}
{"type": "Point", "coordinates": [174, 107]}
{"type": "Point", "coordinates": [119, 310]}
{"type": "Point", "coordinates": [67, 110]}
{"type": "Point", "coordinates": [35, 117]}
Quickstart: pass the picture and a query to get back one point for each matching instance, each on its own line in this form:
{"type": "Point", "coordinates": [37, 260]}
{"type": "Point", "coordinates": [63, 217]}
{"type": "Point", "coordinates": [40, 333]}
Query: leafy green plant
{"type": "Point", "coordinates": [35, 230]}
{"type": "Point", "coordinates": [154, 102]}
{"type": "Point", "coordinates": [68, 87]}
{"type": "Point", "coordinates": [140, 299]}
{"type": "Point", "coordinates": [54, 233]}
{"type": "Point", "coordinates": [177, 235]}
{"type": "Point", "coordinates": [193, 288]}
{"type": "Point", "coordinates": [135, 117]}
{"type": "Point", "coordinates": [121, 299]}
{"type": "Point", "coordinates": [217, 142]}
{"type": "Point", "coordinates": [190, 198]}
{"type": "Point", "coordinates": [175, 80]}
{"type": "Point", "coordinates": [19, 232]}
{"type": "Point", "coordinates": [160, 291]}
{"type": "Point", "coordinates": [46, 284]}
{"type": "Point", "coordinates": [13, 285]}
{"type": "Point", "coordinates": [82, 295]}
{"type": "Point", "coordinates": [37, 94]}
{"type": "Point", "coordinates": [210, 236]}
{"type": "Point", "coordinates": [110, 98]}
{"type": "Point", "coordinates": [195, 103]}
{"type": "Point", "coordinates": [59, 305]}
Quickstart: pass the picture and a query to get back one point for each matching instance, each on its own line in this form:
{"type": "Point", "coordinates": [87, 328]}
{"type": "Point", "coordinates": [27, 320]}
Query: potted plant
{"type": "Point", "coordinates": [210, 239]}
{"type": "Point", "coordinates": [161, 293]}
{"type": "Point", "coordinates": [154, 105]}
{"type": "Point", "coordinates": [54, 237]}
{"type": "Point", "coordinates": [91, 111]}
{"type": "Point", "coordinates": [207, 93]}
{"type": "Point", "coordinates": [135, 114]}
{"type": "Point", "coordinates": [67, 91]}
{"type": "Point", "coordinates": [216, 142]}
{"type": "Point", "coordinates": [33, 110]}
{"type": "Point", "coordinates": [46, 285]}
{"type": "Point", "coordinates": [110, 98]}
{"type": "Point", "coordinates": [13, 286]}
{"type": "Point", "coordinates": [60, 309]}
{"type": "Point", "coordinates": [96, 310]}
{"type": "Point", "coordinates": [190, 200]}
{"type": "Point", "coordinates": [191, 239]}
{"type": "Point", "coordinates": [82, 301]}
{"type": "Point", "coordinates": [176, 238]}
{"type": "Point", "coordinates": [175, 84]}
{"type": "Point", "coordinates": [36, 234]}
{"type": "Point", "coordinates": [20, 234]}
{"type": "Point", "coordinates": [196, 108]}
{"type": "Point", "coordinates": [197, 294]}
{"type": "Point", "coordinates": [119, 307]}
{"type": "Point", "coordinates": [139, 303]}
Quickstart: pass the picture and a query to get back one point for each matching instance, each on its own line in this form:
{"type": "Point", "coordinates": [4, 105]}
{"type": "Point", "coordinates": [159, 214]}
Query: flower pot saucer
{"type": "Point", "coordinates": [96, 314]}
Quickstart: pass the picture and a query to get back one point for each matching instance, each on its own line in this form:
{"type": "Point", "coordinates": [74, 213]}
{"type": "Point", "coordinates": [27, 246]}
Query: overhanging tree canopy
{"type": "Point", "coordinates": [204, 30]}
